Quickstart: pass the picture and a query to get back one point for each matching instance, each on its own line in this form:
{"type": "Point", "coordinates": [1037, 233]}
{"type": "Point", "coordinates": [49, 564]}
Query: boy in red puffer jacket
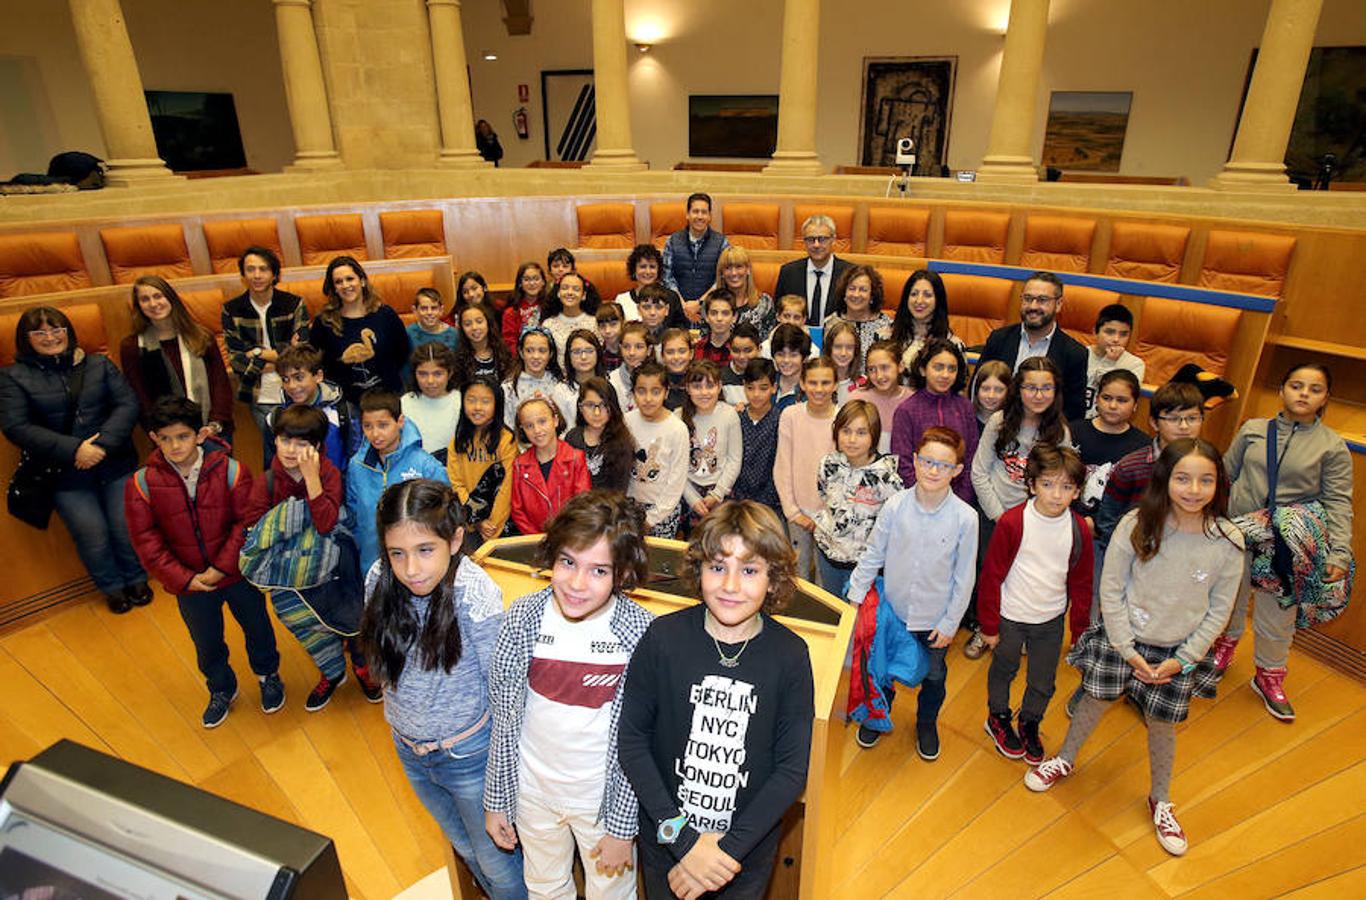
{"type": "Point", "coordinates": [186, 513]}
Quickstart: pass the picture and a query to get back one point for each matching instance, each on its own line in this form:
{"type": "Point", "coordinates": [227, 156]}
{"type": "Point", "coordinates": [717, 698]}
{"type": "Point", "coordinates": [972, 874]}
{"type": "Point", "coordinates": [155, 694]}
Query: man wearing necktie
{"type": "Point", "coordinates": [814, 278]}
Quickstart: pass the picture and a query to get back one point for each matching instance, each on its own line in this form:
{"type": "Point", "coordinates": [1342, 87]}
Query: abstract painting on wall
{"type": "Point", "coordinates": [907, 96]}
{"type": "Point", "coordinates": [742, 125]}
{"type": "Point", "coordinates": [1086, 130]}
{"type": "Point", "coordinates": [1331, 117]}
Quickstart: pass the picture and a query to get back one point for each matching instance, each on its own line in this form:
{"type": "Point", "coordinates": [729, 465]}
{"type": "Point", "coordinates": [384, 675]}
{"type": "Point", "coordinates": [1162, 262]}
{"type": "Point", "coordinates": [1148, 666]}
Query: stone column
{"type": "Point", "coordinates": [452, 87]}
{"type": "Point", "coordinates": [796, 153]}
{"type": "Point", "coordinates": [1258, 161]}
{"type": "Point", "coordinates": [613, 111]}
{"type": "Point", "coordinates": [1010, 150]}
{"type": "Point", "coordinates": [107, 53]}
{"type": "Point", "coordinates": [305, 93]}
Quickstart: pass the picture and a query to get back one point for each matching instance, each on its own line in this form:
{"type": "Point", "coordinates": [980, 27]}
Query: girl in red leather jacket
{"type": "Point", "coordinates": [548, 472]}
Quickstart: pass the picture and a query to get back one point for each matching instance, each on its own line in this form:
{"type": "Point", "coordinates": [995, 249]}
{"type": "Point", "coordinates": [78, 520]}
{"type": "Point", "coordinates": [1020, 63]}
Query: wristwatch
{"type": "Point", "coordinates": [670, 829]}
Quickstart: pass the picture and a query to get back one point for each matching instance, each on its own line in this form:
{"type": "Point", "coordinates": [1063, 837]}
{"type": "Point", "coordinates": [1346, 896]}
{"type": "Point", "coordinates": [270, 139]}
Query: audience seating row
{"type": "Point", "coordinates": [1242, 261]}
{"type": "Point", "coordinates": [48, 262]}
{"type": "Point", "coordinates": [1233, 260]}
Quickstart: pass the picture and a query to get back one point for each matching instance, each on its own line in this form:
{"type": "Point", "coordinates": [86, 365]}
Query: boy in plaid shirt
{"type": "Point", "coordinates": [553, 777]}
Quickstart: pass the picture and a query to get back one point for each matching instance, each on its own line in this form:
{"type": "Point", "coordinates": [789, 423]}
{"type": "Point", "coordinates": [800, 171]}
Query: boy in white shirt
{"type": "Point", "coordinates": [1040, 558]}
{"type": "Point", "coordinates": [662, 450]}
{"type": "Point", "coordinates": [1114, 327]}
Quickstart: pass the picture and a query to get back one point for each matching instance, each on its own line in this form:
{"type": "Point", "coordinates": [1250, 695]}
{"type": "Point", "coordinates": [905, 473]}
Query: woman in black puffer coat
{"type": "Point", "coordinates": [96, 452]}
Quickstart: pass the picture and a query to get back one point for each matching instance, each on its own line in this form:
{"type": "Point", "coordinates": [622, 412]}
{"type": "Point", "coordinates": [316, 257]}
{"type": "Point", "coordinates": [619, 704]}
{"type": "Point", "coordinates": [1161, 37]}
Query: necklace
{"type": "Point", "coordinates": [731, 662]}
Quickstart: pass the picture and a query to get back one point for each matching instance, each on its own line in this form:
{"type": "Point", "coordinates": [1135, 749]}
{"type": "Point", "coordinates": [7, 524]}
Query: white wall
{"type": "Point", "coordinates": [1184, 61]}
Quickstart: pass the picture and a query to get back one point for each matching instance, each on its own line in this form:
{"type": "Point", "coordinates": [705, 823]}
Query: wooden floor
{"type": "Point", "coordinates": [1271, 809]}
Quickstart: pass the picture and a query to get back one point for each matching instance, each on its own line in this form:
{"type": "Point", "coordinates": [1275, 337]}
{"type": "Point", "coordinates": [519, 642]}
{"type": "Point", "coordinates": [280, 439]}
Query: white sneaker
{"type": "Point", "coordinates": [1048, 773]}
{"type": "Point", "coordinates": [1169, 833]}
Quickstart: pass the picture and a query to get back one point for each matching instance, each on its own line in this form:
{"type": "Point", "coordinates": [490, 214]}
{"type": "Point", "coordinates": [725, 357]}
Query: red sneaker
{"type": "Point", "coordinates": [1270, 686]}
{"type": "Point", "coordinates": [369, 686]}
{"type": "Point", "coordinates": [1169, 833]}
{"type": "Point", "coordinates": [1223, 648]}
{"type": "Point", "coordinates": [1002, 734]}
{"type": "Point", "coordinates": [1049, 773]}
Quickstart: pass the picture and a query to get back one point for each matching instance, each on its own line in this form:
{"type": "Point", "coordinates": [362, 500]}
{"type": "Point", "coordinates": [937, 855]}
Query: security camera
{"type": "Point", "coordinates": [905, 152]}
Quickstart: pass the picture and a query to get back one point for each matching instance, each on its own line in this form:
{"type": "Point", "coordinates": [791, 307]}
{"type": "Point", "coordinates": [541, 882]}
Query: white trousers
{"type": "Point", "coordinates": [548, 836]}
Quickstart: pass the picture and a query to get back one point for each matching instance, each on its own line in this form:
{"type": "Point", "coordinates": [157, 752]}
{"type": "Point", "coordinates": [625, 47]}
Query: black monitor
{"type": "Point", "coordinates": [89, 825]}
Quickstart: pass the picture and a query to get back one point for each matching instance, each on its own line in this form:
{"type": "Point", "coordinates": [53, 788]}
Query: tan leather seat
{"type": "Point", "coordinates": [606, 226]}
{"type": "Point", "coordinates": [1172, 333]}
{"type": "Point", "coordinates": [1246, 262]}
{"type": "Point", "coordinates": [228, 238]}
{"type": "Point", "coordinates": [976, 236]}
{"type": "Point", "coordinates": [1147, 251]}
{"type": "Point", "coordinates": [410, 233]}
{"type": "Point", "coordinates": [1080, 306]}
{"type": "Point", "coordinates": [665, 219]}
{"type": "Point", "coordinates": [323, 237]}
{"type": "Point", "coordinates": [136, 250]}
{"type": "Point", "coordinates": [895, 231]}
{"type": "Point", "coordinates": [753, 226]}
{"type": "Point", "coordinates": [1057, 243]}
{"type": "Point", "coordinates": [41, 263]}
{"type": "Point", "coordinates": [977, 305]}
{"type": "Point", "coordinates": [607, 275]}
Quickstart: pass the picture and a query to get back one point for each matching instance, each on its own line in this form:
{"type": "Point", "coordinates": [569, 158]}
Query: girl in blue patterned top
{"type": "Point", "coordinates": [430, 626]}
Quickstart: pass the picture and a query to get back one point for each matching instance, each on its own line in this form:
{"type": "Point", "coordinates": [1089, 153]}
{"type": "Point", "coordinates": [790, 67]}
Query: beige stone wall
{"type": "Point", "coordinates": [377, 61]}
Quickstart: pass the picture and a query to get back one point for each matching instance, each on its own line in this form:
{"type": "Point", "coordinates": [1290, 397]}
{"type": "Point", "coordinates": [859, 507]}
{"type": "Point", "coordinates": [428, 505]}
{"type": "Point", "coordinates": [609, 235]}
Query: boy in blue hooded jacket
{"type": "Point", "coordinates": [392, 453]}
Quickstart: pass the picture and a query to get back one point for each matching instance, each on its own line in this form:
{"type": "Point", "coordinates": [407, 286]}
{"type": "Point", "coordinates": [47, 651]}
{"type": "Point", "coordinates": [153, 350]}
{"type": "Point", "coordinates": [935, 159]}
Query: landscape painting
{"type": "Point", "coordinates": [1086, 130]}
{"type": "Point", "coordinates": [739, 125]}
{"type": "Point", "coordinates": [908, 96]}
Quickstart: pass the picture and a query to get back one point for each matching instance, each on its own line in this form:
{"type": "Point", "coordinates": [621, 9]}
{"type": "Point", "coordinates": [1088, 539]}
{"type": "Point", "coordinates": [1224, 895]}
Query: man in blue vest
{"type": "Point", "coordinates": [690, 256]}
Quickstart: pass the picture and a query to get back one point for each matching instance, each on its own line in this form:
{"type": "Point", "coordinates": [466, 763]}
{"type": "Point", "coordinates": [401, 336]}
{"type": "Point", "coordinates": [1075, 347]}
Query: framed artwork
{"type": "Point", "coordinates": [1331, 117]}
{"type": "Point", "coordinates": [196, 131]}
{"type": "Point", "coordinates": [1086, 129]}
{"type": "Point", "coordinates": [906, 96]}
{"type": "Point", "coordinates": [743, 125]}
{"type": "Point", "coordinates": [568, 114]}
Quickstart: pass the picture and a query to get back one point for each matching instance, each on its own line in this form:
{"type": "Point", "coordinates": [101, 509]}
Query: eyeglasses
{"type": "Point", "coordinates": [47, 334]}
{"type": "Point", "coordinates": [1038, 390]}
{"type": "Point", "coordinates": [1037, 299]}
{"type": "Point", "coordinates": [1186, 421]}
{"type": "Point", "coordinates": [935, 465]}
{"type": "Point", "coordinates": [589, 406]}
{"type": "Point", "coordinates": [582, 352]}
{"type": "Point", "coordinates": [818, 238]}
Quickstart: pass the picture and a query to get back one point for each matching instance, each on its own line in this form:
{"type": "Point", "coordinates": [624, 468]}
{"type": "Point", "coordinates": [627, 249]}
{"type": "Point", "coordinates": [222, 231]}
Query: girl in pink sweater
{"type": "Point", "coordinates": [804, 438]}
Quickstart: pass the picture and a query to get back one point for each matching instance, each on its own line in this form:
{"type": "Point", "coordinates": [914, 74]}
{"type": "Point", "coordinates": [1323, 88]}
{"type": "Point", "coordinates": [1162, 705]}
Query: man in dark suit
{"type": "Point", "coordinates": [815, 277]}
{"type": "Point", "coordinates": [1039, 334]}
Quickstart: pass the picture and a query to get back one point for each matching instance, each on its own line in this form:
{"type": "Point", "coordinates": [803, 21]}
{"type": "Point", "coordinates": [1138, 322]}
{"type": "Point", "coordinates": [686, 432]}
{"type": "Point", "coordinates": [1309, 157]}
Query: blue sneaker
{"type": "Point", "coordinates": [217, 710]}
{"type": "Point", "coordinates": [272, 693]}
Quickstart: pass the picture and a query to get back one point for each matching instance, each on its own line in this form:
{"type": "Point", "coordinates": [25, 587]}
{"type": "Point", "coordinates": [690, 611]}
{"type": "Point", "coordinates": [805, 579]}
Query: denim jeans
{"type": "Point", "coordinates": [450, 784]}
{"type": "Point", "coordinates": [833, 578]}
{"type": "Point", "coordinates": [202, 612]}
{"type": "Point", "coordinates": [95, 518]}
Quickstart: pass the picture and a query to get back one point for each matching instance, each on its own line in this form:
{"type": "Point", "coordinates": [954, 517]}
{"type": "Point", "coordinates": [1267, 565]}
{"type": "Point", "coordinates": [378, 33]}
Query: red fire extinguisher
{"type": "Point", "coordinates": [519, 122]}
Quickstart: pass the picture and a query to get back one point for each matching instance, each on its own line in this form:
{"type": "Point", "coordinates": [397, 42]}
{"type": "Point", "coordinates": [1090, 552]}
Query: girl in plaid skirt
{"type": "Point", "coordinates": [1171, 574]}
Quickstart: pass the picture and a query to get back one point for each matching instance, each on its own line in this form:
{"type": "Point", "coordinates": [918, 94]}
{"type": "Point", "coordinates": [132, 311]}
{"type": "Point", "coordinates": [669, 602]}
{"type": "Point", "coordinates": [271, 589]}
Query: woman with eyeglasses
{"type": "Point", "coordinates": [74, 412]}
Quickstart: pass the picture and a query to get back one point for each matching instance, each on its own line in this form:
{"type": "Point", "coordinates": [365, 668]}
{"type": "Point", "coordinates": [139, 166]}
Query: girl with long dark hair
{"type": "Point", "coordinates": [430, 627]}
{"type": "Point", "coordinates": [1171, 573]}
{"type": "Point", "coordinates": [480, 351]}
{"type": "Point", "coordinates": [1031, 414]}
{"type": "Point", "coordinates": [600, 432]}
{"type": "Point", "coordinates": [479, 461]}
